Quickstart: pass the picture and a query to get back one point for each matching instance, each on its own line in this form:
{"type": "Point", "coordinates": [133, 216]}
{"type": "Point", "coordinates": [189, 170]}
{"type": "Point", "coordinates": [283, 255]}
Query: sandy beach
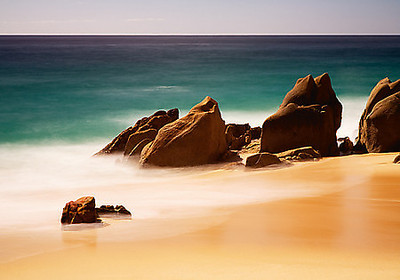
{"type": "Point", "coordinates": [346, 226]}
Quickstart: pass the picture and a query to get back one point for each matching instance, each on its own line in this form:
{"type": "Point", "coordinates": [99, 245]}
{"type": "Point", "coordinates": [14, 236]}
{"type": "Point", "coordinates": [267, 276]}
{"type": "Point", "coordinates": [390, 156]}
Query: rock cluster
{"type": "Point", "coordinates": [309, 115]}
{"type": "Point", "coordinates": [303, 128]}
{"type": "Point", "coordinates": [83, 210]}
{"type": "Point", "coordinates": [132, 140]}
{"type": "Point", "coordinates": [195, 139]}
{"type": "Point", "coordinates": [379, 128]}
{"type": "Point", "coordinates": [239, 135]}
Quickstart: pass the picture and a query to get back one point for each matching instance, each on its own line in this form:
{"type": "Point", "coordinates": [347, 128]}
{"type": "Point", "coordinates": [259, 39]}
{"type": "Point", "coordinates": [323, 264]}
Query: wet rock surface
{"type": "Point", "coordinates": [300, 154]}
{"type": "Point", "coordinates": [79, 211]}
{"type": "Point", "coordinates": [262, 160]}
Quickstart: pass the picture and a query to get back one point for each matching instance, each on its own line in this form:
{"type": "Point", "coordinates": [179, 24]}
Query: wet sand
{"type": "Point", "coordinates": [348, 230]}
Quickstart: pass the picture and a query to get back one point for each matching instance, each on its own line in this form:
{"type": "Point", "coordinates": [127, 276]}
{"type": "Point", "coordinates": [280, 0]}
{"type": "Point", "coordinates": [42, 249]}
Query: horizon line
{"type": "Point", "coordinates": [199, 34]}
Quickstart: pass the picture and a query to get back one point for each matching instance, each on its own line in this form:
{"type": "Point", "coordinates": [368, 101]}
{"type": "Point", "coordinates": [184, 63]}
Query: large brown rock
{"type": "Point", "coordinates": [79, 211]}
{"type": "Point", "coordinates": [379, 129]}
{"type": "Point", "coordinates": [144, 125]}
{"type": "Point", "coordinates": [195, 139]}
{"type": "Point", "coordinates": [309, 115]}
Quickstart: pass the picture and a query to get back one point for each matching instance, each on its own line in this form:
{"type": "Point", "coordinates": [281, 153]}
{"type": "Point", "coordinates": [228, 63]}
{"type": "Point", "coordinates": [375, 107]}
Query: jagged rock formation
{"type": "Point", "coordinates": [145, 128]}
{"type": "Point", "coordinates": [309, 115]}
{"type": "Point", "coordinates": [239, 135]}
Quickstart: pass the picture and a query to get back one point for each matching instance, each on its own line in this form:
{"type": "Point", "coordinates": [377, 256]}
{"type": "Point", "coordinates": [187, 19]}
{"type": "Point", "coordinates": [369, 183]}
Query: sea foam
{"type": "Point", "coordinates": [37, 181]}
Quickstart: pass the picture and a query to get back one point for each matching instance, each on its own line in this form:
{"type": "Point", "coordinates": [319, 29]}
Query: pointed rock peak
{"type": "Point", "coordinates": [324, 79]}
{"type": "Point", "coordinates": [173, 113]}
{"type": "Point", "coordinates": [306, 80]}
{"type": "Point", "coordinates": [384, 81]}
{"type": "Point", "coordinates": [301, 93]}
{"type": "Point", "coordinates": [395, 86]}
{"type": "Point", "coordinates": [325, 93]}
{"type": "Point", "coordinates": [207, 105]}
{"type": "Point", "coordinates": [381, 85]}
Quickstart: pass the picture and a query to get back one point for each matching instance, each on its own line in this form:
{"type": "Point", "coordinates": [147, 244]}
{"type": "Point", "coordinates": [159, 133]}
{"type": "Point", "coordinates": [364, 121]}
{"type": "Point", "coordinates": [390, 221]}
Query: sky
{"type": "Point", "coordinates": [199, 17]}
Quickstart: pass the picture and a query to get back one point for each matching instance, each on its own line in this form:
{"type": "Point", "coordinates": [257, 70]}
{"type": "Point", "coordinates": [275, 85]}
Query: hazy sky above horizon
{"type": "Point", "coordinates": [199, 17]}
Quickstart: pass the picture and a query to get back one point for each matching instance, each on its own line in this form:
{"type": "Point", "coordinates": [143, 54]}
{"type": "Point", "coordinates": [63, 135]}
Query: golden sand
{"type": "Point", "coordinates": [348, 230]}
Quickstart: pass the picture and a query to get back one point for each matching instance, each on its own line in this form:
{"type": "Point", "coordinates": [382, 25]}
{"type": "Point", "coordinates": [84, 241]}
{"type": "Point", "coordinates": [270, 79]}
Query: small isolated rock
{"type": "Point", "coordinates": [110, 209]}
{"type": "Point", "coordinates": [79, 211]}
{"type": "Point", "coordinates": [304, 153]}
{"type": "Point", "coordinates": [397, 159]}
{"type": "Point", "coordinates": [345, 146]}
{"type": "Point", "coordinates": [262, 160]}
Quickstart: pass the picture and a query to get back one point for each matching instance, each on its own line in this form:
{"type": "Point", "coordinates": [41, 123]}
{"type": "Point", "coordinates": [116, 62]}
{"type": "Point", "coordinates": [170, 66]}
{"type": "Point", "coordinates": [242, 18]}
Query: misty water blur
{"type": "Point", "coordinates": [37, 180]}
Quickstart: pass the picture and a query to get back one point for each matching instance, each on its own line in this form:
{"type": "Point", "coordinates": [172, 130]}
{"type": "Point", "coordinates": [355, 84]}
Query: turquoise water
{"type": "Point", "coordinates": [73, 89]}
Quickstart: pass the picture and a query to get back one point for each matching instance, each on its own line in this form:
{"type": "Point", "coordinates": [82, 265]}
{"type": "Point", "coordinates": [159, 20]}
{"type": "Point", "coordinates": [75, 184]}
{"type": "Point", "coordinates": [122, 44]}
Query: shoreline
{"type": "Point", "coordinates": [347, 227]}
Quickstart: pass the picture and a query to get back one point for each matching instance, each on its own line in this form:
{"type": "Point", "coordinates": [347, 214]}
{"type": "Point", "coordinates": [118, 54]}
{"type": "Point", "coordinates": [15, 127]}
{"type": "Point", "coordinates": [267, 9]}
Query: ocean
{"type": "Point", "coordinates": [74, 89]}
{"type": "Point", "coordinates": [62, 98]}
